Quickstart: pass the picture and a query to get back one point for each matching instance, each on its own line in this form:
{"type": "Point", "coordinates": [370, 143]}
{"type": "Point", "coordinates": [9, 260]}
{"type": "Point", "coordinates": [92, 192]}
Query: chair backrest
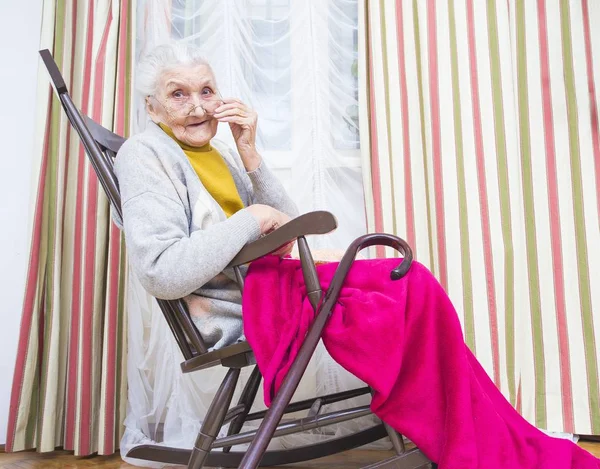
{"type": "Point", "coordinates": [101, 146]}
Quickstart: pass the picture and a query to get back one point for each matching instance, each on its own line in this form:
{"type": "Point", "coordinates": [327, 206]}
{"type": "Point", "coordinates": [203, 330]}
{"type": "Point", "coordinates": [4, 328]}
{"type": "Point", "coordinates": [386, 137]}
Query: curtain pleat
{"type": "Point", "coordinates": [69, 386]}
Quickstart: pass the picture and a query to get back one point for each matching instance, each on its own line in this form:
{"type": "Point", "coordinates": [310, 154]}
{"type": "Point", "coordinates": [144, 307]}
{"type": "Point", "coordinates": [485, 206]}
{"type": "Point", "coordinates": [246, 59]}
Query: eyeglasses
{"type": "Point", "coordinates": [184, 106]}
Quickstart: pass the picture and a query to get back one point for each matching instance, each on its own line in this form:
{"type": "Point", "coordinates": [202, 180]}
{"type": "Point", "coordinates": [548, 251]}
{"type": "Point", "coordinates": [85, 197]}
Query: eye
{"type": "Point", "coordinates": [178, 94]}
{"type": "Point", "coordinates": [206, 91]}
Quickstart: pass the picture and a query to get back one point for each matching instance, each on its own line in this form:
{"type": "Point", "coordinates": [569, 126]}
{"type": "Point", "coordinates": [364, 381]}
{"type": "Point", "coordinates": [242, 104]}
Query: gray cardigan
{"type": "Point", "coordinates": [178, 238]}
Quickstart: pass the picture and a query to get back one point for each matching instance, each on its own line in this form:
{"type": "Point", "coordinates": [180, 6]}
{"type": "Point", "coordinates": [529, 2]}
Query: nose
{"type": "Point", "coordinates": [197, 110]}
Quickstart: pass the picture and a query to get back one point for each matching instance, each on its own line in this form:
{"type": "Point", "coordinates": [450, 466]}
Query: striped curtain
{"type": "Point", "coordinates": [481, 147]}
{"type": "Point", "coordinates": [69, 386]}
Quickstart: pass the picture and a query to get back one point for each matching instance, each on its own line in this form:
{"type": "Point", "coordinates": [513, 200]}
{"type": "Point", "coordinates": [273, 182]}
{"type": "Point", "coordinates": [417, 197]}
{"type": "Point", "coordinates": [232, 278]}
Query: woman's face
{"type": "Point", "coordinates": [185, 101]}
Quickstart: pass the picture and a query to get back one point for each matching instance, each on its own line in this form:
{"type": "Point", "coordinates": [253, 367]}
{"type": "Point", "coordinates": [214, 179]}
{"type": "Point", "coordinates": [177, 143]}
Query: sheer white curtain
{"type": "Point", "coordinates": [295, 62]}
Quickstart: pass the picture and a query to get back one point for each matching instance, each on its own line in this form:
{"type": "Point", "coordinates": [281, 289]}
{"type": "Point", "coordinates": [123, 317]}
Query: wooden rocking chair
{"type": "Point", "coordinates": [101, 146]}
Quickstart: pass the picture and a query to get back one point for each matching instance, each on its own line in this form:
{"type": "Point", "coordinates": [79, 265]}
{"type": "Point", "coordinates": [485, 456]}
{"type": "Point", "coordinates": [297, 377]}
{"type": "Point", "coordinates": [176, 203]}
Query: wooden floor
{"type": "Point", "coordinates": [63, 459]}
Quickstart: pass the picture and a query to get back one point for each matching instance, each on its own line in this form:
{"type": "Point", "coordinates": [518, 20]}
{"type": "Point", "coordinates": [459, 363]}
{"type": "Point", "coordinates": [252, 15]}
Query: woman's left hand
{"type": "Point", "coordinates": [284, 250]}
{"type": "Point", "coordinates": [242, 122]}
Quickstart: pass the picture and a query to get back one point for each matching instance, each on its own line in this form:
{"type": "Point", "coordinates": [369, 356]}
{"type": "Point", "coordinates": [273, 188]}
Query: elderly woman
{"type": "Point", "coordinates": [190, 204]}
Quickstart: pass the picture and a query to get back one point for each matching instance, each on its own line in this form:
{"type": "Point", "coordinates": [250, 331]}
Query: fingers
{"type": "Point", "coordinates": [243, 122]}
{"type": "Point", "coordinates": [282, 218]}
{"type": "Point", "coordinates": [288, 248]}
{"type": "Point", "coordinates": [237, 116]}
{"type": "Point", "coordinates": [235, 112]}
{"type": "Point", "coordinates": [277, 220]}
{"type": "Point", "coordinates": [284, 250]}
{"type": "Point", "coordinates": [234, 105]}
{"type": "Point", "coordinates": [268, 218]}
{"type": "Point", "coordinates": [232, 100]}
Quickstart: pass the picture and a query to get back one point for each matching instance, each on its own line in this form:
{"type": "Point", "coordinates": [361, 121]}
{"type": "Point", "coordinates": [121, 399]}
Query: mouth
{"type": "Point", "coordinates": [197, 125]}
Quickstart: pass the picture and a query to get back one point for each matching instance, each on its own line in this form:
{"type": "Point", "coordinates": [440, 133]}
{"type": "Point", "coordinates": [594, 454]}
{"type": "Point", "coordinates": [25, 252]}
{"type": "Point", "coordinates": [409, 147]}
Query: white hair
{"type": "Point", "coordinates": [163, 58]}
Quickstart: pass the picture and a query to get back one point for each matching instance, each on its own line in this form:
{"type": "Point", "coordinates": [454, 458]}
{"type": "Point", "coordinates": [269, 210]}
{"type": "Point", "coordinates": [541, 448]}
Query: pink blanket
{"type": "Point", "coordinates": [403, 339]}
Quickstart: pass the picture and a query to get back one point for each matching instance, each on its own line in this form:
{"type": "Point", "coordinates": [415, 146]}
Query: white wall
{"type": "Point", "coordinates": [19, 41]}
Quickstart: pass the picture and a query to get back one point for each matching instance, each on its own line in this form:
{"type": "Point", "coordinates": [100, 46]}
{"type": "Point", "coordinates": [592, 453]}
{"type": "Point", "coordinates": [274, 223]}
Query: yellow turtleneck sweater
{"type": "Point", "coordinates": [213, 173]}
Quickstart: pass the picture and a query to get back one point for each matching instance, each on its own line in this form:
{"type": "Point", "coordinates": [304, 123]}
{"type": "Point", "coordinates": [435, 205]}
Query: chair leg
{"type": "Point", "coordinates": [396, 439]}
{"type": "Point", "coordinates": [246, 399]}
{"type": "Point", "coordinates": [214, 419]}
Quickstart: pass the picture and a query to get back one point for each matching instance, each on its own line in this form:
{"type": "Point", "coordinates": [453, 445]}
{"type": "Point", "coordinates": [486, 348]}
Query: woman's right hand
{"type": "Point", "coordinates": [268, 218]}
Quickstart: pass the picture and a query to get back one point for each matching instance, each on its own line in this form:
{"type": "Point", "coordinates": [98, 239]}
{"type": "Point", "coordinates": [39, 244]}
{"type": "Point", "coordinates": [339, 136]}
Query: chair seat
{"type": "Point", "coordinates": [237, 355]}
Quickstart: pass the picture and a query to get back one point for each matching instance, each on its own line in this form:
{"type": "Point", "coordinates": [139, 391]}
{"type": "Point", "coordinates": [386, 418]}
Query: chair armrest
{"type": "Point", "coordinates": [319, 222]}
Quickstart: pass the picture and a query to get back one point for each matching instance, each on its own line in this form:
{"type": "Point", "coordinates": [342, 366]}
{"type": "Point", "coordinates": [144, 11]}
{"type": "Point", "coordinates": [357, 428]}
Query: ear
{"type": "Point", "coordinates": [152, 110]}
